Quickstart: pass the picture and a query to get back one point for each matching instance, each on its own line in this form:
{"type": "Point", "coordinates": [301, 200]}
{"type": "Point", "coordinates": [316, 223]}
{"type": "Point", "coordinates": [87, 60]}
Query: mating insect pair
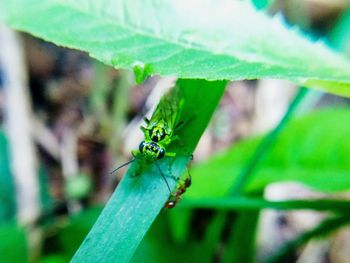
{"type": "Point", "coordinates": [158, 135]}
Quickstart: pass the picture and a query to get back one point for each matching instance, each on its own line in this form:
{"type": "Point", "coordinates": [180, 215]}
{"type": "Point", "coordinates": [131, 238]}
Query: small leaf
{"type": "Point", "coordinates": [141, 72]}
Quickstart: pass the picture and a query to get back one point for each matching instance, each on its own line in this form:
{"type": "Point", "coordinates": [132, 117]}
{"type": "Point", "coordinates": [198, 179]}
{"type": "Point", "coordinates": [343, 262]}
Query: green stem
{"type": "Point", "coordinates": [264, 146]}
{"type": "Point", "coordinates": [99, 92]}
{"type": "Point", "coordinates": [248, 204]}
{"type": "Point", "coordinates": [119, 110]}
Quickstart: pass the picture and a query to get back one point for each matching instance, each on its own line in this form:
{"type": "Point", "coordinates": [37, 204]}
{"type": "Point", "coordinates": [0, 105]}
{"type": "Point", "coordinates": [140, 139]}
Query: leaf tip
{"type": "Point", "coordinates": [141, 71]}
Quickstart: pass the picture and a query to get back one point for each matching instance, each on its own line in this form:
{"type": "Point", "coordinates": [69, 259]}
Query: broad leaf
{"type": "Point", "coordinates": [304, 152]}
{"type": "Point", "coordinates": [190, 39]}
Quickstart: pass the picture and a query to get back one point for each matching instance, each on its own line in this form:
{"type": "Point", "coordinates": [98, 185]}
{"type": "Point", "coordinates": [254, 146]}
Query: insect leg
{"type": "Point", "coordinates": [170, 154]}
{"type": "Point", "coordinates": [166, 182]}
{"type": "Point", "coordinates": [188, 179]}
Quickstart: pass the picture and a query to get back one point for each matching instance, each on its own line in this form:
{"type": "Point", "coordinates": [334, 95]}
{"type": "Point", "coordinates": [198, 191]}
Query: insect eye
{"type": "Point", "coordinates": [161, 153]}
{"type": "Point", "coordinates": [142, 146]}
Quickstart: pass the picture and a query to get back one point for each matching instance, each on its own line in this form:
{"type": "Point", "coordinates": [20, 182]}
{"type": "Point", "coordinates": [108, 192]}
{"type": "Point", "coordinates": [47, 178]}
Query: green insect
{"type": "Point", "coordinates": [159, 133]}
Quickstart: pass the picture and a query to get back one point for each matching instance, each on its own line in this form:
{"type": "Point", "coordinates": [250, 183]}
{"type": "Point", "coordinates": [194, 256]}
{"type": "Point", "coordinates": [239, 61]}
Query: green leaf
{"type": "Point", "coordinates": [138, 200]}
{"type": "Point", "coordinates": [13, 244]}
{"type": "Point", "coordinates": [177, 38]}
{"type": "Point", "coordinates": [265, 145]}
{"type": "Point", "coordinates": [241, 246]}
{"type": "Point", "coordinates": [46, 200]}
{"type": "Point", "coordinates": [260, 4]}
{"type": "Point", "coordinates": [7, 187]}
{"type": "Point", "coordinates": [179, 223]}
{"type": "Point", "coordinates": [71, 236]}
{"type": "Point", "coordinates": [339, 35]}
{"type": "Point", "coordinates": [53, 259]}
{"type": "Point", "coordinates": [304, 152]}
{"type": "Point", "coordinates": [158, 246]}
{"type": "Point", "coordinates": [209, 247]}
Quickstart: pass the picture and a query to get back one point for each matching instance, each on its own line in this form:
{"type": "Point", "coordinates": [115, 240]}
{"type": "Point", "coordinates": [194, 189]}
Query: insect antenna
{"type": "Point", "coordinates": [121, 166]}
{"type": "Point", "coordinates": [166, 182]}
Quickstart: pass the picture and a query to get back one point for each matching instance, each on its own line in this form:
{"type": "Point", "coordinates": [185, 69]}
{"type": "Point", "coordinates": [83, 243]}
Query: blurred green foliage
{"type": "Point", "coordinates": [73, 234]}
{"type": "Point", "coordinates": [339, 36]}
{"type": "Point", "coordinates": [7, 187]}
{"type": "Point", "coordinates": [78, 186]}
{"type": "Point", "coordinates": [312, 150]}
{"type": "Point", "coordinates": [262, 4]}
{"type": "Point", "coordinates": [13, 244]}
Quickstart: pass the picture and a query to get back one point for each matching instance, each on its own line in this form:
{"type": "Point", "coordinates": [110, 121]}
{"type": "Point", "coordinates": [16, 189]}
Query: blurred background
{"type": "Point", "coordinates": [68, 120]}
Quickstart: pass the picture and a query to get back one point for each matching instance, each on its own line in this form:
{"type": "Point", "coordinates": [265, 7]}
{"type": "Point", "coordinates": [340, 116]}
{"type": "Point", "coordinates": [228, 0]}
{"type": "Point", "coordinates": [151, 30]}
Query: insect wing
{"type": "Point", "coordinates": [167, 112]}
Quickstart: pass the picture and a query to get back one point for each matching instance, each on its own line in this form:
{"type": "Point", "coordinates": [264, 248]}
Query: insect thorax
{"type": "Point", "coordinates": [159, 132]}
